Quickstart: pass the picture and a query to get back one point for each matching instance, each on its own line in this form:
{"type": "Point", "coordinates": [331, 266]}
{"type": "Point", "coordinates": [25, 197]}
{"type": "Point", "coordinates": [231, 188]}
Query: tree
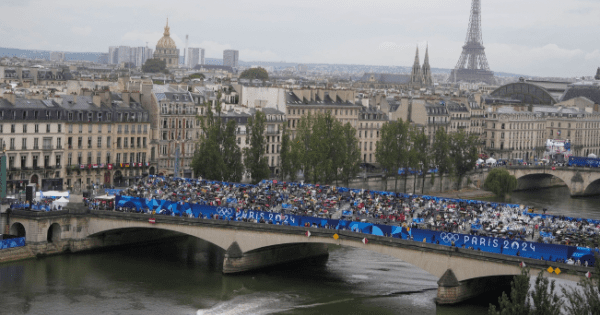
{"type": "Point", "coordinates": [441, 154]}
{"type": "Point", "coordinates": [500, 182]}
{"type": "Point", "coordinates": [585, 300]}
{"type": "Point", "coordinates": [218, 156]}
{"type": "Point", "coordinates": [518, 303]}
{"type": "Point", "coordinates": [154, 66]}
{"type": "Point", "coordinates": [350, 153]}
{"type": "Point", "coordinates": [419, 156]}
{"type": "Point", "coordinates": [254, 156]}
{"type": "Point", "coordinates": [545, 300]}
{"type": "Point", "coordinates": [463, 151]}
{"type": "Point", "coordinates": [255, 73]}
{"type": "Point", "coordinates": [391, 149]}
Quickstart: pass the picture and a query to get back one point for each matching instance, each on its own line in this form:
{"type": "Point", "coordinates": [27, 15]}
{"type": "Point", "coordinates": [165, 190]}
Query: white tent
{"type": "Point", "coordinates": [490, 161]}
{"type": "Point", "coordinates": [592, 155]}
{"type": "Point", "coordinates": [60, 202]}
{"type": "Point", "coordinates": [479, 161]}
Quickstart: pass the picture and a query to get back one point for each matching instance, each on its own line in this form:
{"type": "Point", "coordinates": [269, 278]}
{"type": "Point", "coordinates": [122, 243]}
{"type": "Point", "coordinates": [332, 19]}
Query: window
{"type": "Point", "coordinates": [118, 160]}
{"type": "Point", "coordinates": [70, 128]}
{"type": "Point", "coordinates": [70, 116]}
{"type": "Point", "coordinates": [24, 128]}
{"type": "Point", "coordinates": [108, 144]}
{"type": "Point", "coordinates": [89, 143]}
{"type": "Point", "coordinates": [109, 128]}
{"type": "Point", "coordinates": [36, 144]}
{"type": "Point", "coordinates": [89, 158]}
{"type": "Point", "coordinates": [80, 128]}
{"type": "Point", "coordinates": [12, 128]}
{"type": "Point", "coordinates": [125, 139]}
{"type": "Point", "coordinates": [59, 128]}
{"type": "Point", "coordinates": [89, 128]}
{"type": "Point", "coordinates": [79, 159]}
{"type": "Point", "coordinates": [47, 128]}
{"type": "Point", "coordinates": [69, 159]}
{"type": "Point", "coordinates": [24, 144]}
{"type": "Point", "coordinates": [98, 157]}
{"type": "Point", "coordinates": [99, 142]}
{"type": "Point", "coordinates": [108, 157]}
{"type": "Point", "coordinates": [79, 142]}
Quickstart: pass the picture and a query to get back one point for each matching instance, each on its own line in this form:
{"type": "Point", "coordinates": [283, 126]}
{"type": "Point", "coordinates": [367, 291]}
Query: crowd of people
{"type": "Point", "coordinates": [484, 219]}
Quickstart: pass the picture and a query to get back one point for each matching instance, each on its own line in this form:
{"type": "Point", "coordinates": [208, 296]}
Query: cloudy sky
{"type": "Point", "coordinates": [532, 37]}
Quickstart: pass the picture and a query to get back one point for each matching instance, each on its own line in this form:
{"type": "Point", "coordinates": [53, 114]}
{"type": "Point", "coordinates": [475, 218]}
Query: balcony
{"type": "Point", "coordinates": [35, 167]}
{"type": "Point", "coordinates": [48, 147]}
{"type": "Point", "coordinates": [59, 147]}
{"type": "Point", "coordinates": [12, 148]}
{"type": "Point", "coordinates": [36, 147]}
{"type": "Point", "coordinates": [272, 132]}
{"type": "Point", "coordinates": [80, 147]}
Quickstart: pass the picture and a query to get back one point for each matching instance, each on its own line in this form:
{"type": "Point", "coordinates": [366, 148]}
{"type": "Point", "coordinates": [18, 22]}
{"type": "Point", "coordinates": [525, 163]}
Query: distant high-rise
{"type": "Point", "coordinates": [124, 54]}
{"type": "Point", "coordinates": [113, 55]}
{"type": "Point", "coordinates": [201, 56]}
{"type": "Point", "coordinates": [472, 65]}
{"type": "Point", "coordinates": [597, 77]}
{"type": "Point", "coordinates": [230, 58]}
{"type": "Point", "coordinates": [57, 56]}
{"type": "Point", "coordinates": [193, 57]}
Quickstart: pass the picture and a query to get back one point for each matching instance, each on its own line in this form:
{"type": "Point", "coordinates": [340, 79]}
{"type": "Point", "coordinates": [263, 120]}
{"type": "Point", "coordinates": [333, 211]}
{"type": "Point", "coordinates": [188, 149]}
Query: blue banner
{"type": "Point", "coordinates": [12, 243]}
{"type": "Point", "coordinates": [504, 246]}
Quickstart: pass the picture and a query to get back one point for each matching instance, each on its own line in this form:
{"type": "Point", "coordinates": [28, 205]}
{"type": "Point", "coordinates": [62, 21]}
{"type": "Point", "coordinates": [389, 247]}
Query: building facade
{"type": "Point", "coordinates": [32, 134]}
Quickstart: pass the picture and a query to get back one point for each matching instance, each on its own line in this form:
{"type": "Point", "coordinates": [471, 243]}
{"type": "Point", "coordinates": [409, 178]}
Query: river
{"type": "Point", "coordinates": [182, 276]}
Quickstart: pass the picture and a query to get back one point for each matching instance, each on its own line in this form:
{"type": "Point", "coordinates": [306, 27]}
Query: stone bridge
{"type": "Point", "coordinates": [463, 273]}
{"type": "Point", "coordinates": [580, 181]}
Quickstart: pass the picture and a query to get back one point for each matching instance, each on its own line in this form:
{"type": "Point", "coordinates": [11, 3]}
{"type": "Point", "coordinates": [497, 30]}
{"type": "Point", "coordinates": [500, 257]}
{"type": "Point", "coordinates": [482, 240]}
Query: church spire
{"type": "Point", "coordinates": [416, 77]}
{"type": "Point", "coordinates": [427, 80]}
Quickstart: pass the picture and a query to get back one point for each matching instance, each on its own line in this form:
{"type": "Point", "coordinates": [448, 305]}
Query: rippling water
{"type": "Point", "coordinates": [182, 276]}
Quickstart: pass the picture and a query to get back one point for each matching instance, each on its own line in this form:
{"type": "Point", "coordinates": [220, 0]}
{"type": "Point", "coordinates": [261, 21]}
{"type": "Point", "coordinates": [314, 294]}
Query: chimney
{"type": "Point", "coordinates": [125, 97]}
{"type": "Point", "coordinates": [75, 99]}
{"type": "Point", "coordinates": [11, 97]}
{"type": "Point", "coordinates": [97, 100]}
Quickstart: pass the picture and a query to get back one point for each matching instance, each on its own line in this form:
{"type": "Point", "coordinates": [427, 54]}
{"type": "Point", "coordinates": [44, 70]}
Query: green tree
{"type": "Point", "coordinates": [418, 156]}
{"type": "Point", "coordinates": [154, 66]}
{"type": "Point", "coordinates": [218, 156]}
{"type": "Point", "coordinates": [254, 156]}
{"type": "Point", "coordinates": [233, 170]}
{"type": "Point", "coordinates": [463, 151]}
{"type": "Point", "coordinates": [585, 300]}
{"type": "Point", "coordinates": [350, 164]}
{"type": "Point", "coordinates": [255, 73]}
{"type": "Point", "coordinates": [517, 303]}
{"type": "Point", "coordinates": [391, 150]}
{"type": "Point", "coordinates": [500, 182]}
{"type": "Point", "coordinates": [441, 154]}
{"type": "Point", "coordinates": [544, 298]}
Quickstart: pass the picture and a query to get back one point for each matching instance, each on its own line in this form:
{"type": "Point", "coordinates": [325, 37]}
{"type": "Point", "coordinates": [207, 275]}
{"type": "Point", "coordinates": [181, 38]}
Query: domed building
{"type": "Point", "coordinates": [167, 50]}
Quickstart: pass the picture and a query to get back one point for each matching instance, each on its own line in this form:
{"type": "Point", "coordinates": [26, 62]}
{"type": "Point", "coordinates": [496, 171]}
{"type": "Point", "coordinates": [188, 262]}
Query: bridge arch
{"type": "Point", "coordinates": [592, 188]}
{"type": "Point", "coordinates": [53, 234]}
{"type": "Point", "coordinates": [18, 229]}
{"type": "Point", "coordinates": [532, 181]}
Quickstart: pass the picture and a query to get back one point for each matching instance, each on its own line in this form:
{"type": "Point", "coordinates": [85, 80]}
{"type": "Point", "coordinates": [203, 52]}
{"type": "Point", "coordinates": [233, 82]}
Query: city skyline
{"type": "Point", "coordinates": [544, 38]}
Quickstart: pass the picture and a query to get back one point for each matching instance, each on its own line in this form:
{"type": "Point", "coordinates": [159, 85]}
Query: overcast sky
{"type": "Point", "coordinates": [532, 37]}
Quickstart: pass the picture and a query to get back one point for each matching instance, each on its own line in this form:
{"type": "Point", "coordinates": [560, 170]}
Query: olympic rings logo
{"type": "Point", "coordinates": [449, 237]}
{"type": "Point", "coordinates": [224, 211]}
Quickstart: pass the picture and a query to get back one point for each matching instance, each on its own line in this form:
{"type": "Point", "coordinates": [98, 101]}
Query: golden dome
{"type": "Point", "coordinates": [166, 41]}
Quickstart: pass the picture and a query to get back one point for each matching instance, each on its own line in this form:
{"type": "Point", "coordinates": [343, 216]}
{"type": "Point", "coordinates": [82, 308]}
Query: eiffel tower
{"type": "Point", "coordinates": [472, 65]}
